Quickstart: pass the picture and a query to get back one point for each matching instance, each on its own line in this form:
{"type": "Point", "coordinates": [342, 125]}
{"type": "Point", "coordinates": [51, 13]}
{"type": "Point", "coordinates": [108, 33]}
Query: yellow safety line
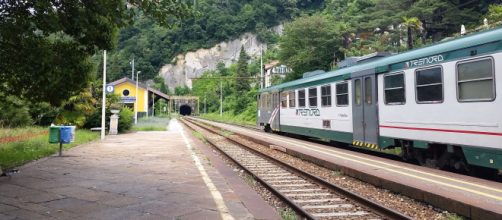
{"type": "Point", "coordinates": [395, 166]}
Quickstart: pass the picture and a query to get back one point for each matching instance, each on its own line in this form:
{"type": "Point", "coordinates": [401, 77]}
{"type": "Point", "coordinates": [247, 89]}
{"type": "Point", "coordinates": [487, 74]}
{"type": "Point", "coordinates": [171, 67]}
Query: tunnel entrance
{"type": "Point", "coordinates": [185, 110]}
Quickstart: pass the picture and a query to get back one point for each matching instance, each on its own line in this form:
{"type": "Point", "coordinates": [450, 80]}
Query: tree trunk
{"type": "Point", "coordinates": [410, 39]}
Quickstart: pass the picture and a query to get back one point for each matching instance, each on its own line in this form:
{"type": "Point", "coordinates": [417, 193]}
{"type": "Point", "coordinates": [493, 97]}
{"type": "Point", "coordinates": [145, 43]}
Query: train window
{"type": "Point", "coordinates": [326, 95]}
{"type": "Point", "coordinates": [394, 89]}
{"type": "Point", "coordinates": [269, 101]}
{"type": "Point", "coordinates": [429, 84]}
{"type": "Point", "coordinates": [292, 99]}
{"type": "Point", "coordinates": [284, 100]}
{"type": "Point", "coordinates": [342, 94]}
{"type": "Point", "coordinates": [301, 98]}
{"type": "Point", "coordinates": [313, 97]}
{"type": "Point", "coordinates": [368, 92]}
{"type": "Point", "coordinates": [475, 80]}
{"type": "Point", "coordinates": [358, 89]}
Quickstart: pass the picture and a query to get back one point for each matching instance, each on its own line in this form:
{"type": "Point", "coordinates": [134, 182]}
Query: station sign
{"type": "Point", "coordinates": [110, 89]}
{"type": "Point", "coordinates": [128, 99]}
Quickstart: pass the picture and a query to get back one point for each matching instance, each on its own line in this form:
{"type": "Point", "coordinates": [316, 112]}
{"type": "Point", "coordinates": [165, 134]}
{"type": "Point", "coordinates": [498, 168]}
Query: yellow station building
{"type": "Point", "coordinates": [126, 89]}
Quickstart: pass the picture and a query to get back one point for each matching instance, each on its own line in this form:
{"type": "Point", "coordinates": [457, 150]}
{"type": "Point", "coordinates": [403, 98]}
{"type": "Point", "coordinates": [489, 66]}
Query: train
{"type": "Point", "coordinates": [436, 105]}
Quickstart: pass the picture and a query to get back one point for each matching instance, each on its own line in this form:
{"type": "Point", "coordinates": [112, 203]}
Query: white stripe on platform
{"type": "Point", "coordinates": [217, 197]}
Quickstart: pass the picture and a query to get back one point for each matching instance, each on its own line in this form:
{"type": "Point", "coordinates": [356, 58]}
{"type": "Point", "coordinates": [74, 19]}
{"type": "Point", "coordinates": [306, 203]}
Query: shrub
{"type": "Point", "coordinates": [15, 112]}
{"type": "Point", "coordinates": [43, 113]}
{"type": "Point", "coordinates": [125, 119]}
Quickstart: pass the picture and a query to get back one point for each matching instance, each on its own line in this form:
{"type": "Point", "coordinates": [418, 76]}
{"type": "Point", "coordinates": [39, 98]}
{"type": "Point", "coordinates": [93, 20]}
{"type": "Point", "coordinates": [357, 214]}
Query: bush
{"type": "Point", "coordinates": [125, 119]}
{"type": "Point", "coordinates": [42, 113]}
{"type": "Point", "coordinates": [15, 112]}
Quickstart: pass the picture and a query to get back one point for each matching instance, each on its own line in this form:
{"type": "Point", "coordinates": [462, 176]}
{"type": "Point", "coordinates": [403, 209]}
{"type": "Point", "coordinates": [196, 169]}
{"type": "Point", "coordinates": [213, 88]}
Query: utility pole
{"type": "Point", "coordinates": [103, 105]}
{"type": "Point", "coordinates": [132, 72]}
{"type": "Point", "coordinates": [136, 101]}
{"type": "Point", "coordinates": [261, 67]}
{"type": "Point", "coordinates": [221, 88]}
{"type": "Point", "coordinates": [153, 107]}
{"type": "Point", "coordinates": [221, 97]}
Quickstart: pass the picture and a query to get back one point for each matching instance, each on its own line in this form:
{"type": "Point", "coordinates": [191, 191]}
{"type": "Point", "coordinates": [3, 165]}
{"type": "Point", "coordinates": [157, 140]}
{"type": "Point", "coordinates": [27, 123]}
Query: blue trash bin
{"type": "Point", "coordinates": [66, 135]}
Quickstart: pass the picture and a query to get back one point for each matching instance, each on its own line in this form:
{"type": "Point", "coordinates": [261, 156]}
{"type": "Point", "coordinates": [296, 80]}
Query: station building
{"type": "Point", "coordinates": [147, 96]}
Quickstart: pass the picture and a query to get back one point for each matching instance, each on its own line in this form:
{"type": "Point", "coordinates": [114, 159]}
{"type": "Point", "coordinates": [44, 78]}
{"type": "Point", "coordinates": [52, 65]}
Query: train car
{"type": "Point", "coordinates": [438, 104]}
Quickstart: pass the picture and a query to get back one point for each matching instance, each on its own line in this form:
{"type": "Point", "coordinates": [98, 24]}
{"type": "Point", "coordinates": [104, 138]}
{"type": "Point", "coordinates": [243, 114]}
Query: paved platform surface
{"type": "Point", "coordinates": [144, 175]}
{"type": "Point", "coordinates": [468, 196]}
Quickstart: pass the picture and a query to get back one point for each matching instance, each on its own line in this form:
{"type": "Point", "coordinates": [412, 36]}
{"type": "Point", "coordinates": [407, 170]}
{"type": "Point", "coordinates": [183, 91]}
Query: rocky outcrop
{"type": "Point", "coordinates": [193, 64]}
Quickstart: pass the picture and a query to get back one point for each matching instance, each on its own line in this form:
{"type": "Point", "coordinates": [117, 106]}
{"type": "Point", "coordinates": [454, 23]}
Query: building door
{"type": "Point", "coordinates": [274, 123]}
{"type": "Point", "coordinates": [365, 110]}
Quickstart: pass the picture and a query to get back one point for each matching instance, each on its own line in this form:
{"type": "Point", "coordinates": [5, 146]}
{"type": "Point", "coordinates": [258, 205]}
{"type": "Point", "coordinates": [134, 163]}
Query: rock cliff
{"type": "Point", "coordinates": [193, 64]}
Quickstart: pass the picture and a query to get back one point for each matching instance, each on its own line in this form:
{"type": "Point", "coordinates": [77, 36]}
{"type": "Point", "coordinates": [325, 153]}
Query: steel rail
{"type": "Point", "coordinates": [276, 192]}
{"type": "Point", "coordinates": [371, 205]}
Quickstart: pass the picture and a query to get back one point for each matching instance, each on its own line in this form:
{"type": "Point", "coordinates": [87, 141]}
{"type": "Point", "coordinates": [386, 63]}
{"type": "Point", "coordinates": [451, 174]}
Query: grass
{"type": "Point", "coordinates": [452, 216]}
{"type": "Point", "coordinates": [12, 132]}
{"type": "Point", "coordinates": [17, 153]}
{"type": "Point", "coordinates": [199, 136]}
{"type": "Point", "coordinates": [288, 214]}
{"type": "Point", "coordinates": [151, 124]}
{"type": "Point", "coordinates": [229, 118]}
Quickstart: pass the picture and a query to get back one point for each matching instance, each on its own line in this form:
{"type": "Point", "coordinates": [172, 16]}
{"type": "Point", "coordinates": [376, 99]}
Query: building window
{"type": "Point", "coordinates": [313, 97]}
{"type": "Point", "coordinates": [284, 100]}
{"type": "Point", "coordinates": [342, 94]}
{"type": "Point", "coordinates": [358, 89]}
{"type": "Point", "coordinates": [292, 99]}
{"type": "Point", "coordinates": [475, 80]}
{"type": "Point", "coordinates": [326, 95]}
{"type": "Point", "coordinates": [125, 92]}
{"type": "Point", "coordinates": [394, 89]}
{"type": "Point", "coordinates": [429, 85]}
{"type": "Point", "coordinates": [301, 98]}
{"type": "Point", "coordinates": [326, 123]}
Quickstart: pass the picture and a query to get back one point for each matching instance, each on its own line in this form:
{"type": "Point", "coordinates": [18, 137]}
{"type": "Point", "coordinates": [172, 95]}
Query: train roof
{"type": "Point", "coordinates": [389, 63]}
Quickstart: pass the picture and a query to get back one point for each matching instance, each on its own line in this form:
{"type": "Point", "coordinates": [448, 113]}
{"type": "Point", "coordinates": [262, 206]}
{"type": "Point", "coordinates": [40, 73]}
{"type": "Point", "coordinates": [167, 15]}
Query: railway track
{"type": "Point", "coordinates": [310, 196]}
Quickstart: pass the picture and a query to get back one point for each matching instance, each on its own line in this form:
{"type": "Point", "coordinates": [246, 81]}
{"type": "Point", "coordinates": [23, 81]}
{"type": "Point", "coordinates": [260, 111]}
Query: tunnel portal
{"type": "Point", "coordinates": [185, 110]}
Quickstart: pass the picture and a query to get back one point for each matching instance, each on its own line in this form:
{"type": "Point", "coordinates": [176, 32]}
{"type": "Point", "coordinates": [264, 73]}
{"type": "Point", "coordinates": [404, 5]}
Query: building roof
{"type": "Point", "coordinates": [384, 64]}
{"type": "Point", "coordinates": [141, 85]}
{"type": "Point", "coordinates": [271, 64]}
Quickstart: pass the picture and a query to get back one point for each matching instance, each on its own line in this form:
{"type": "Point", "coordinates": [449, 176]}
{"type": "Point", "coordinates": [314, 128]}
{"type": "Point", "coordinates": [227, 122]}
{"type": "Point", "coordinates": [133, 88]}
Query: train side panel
{"type": "Point", "coordinates": [331, 121]}
{"type": "Point", "coordinates": [475, 125]}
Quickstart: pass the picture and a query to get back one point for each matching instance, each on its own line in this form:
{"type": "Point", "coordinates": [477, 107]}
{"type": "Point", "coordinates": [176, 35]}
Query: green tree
{"type": "Point", "coordinates": [309, 43]}
{"type": "Point", "coordinates": [495, 14]}
{"type": "Point", "coordinates": [45, 45]}
{"type": "Point", "coordinates": [241, 82]}
{"type": "Point", "coordinates": [182, 90]}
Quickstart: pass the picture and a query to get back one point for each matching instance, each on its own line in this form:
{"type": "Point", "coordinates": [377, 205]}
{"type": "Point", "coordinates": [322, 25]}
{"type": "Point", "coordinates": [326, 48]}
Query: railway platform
{"type": "Point", "coordinates": [143, 175]}
{"type": "Point", "coordinates": [468, 196]}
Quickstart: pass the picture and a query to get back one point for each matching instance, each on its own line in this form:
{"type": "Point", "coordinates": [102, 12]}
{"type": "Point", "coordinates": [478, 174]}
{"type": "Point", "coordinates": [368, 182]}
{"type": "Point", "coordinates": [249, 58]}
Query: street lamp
{"type": "Point", "coordinates": [136, 101]}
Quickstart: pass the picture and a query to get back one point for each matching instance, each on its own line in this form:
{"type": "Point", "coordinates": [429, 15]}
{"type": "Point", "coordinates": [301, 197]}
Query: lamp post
{"type": "Point", "coordinates": [132, 72]}
{"type": "Point", "coordinates": [136, 101]}
{"type": "Point", "coordinates": [103, 106]}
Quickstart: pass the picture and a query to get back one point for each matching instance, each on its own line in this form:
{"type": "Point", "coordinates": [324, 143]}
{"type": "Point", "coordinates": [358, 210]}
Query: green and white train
{"type": "Point", "coordinates": [438, 104]}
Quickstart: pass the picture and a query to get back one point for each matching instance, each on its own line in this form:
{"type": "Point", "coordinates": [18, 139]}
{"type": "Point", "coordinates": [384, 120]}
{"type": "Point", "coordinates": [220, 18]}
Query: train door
{"type": "Point", "coordinates": [365, 109]}
{"type": "Point", "coordinates": [274, 118]}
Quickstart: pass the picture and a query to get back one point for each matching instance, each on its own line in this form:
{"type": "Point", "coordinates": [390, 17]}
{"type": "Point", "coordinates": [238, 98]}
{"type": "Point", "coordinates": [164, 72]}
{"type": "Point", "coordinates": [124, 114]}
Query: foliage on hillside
{"type": "Point", "coordinates": [359, 27]}
{"type": "Point", "coordinates": [153, 46]}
